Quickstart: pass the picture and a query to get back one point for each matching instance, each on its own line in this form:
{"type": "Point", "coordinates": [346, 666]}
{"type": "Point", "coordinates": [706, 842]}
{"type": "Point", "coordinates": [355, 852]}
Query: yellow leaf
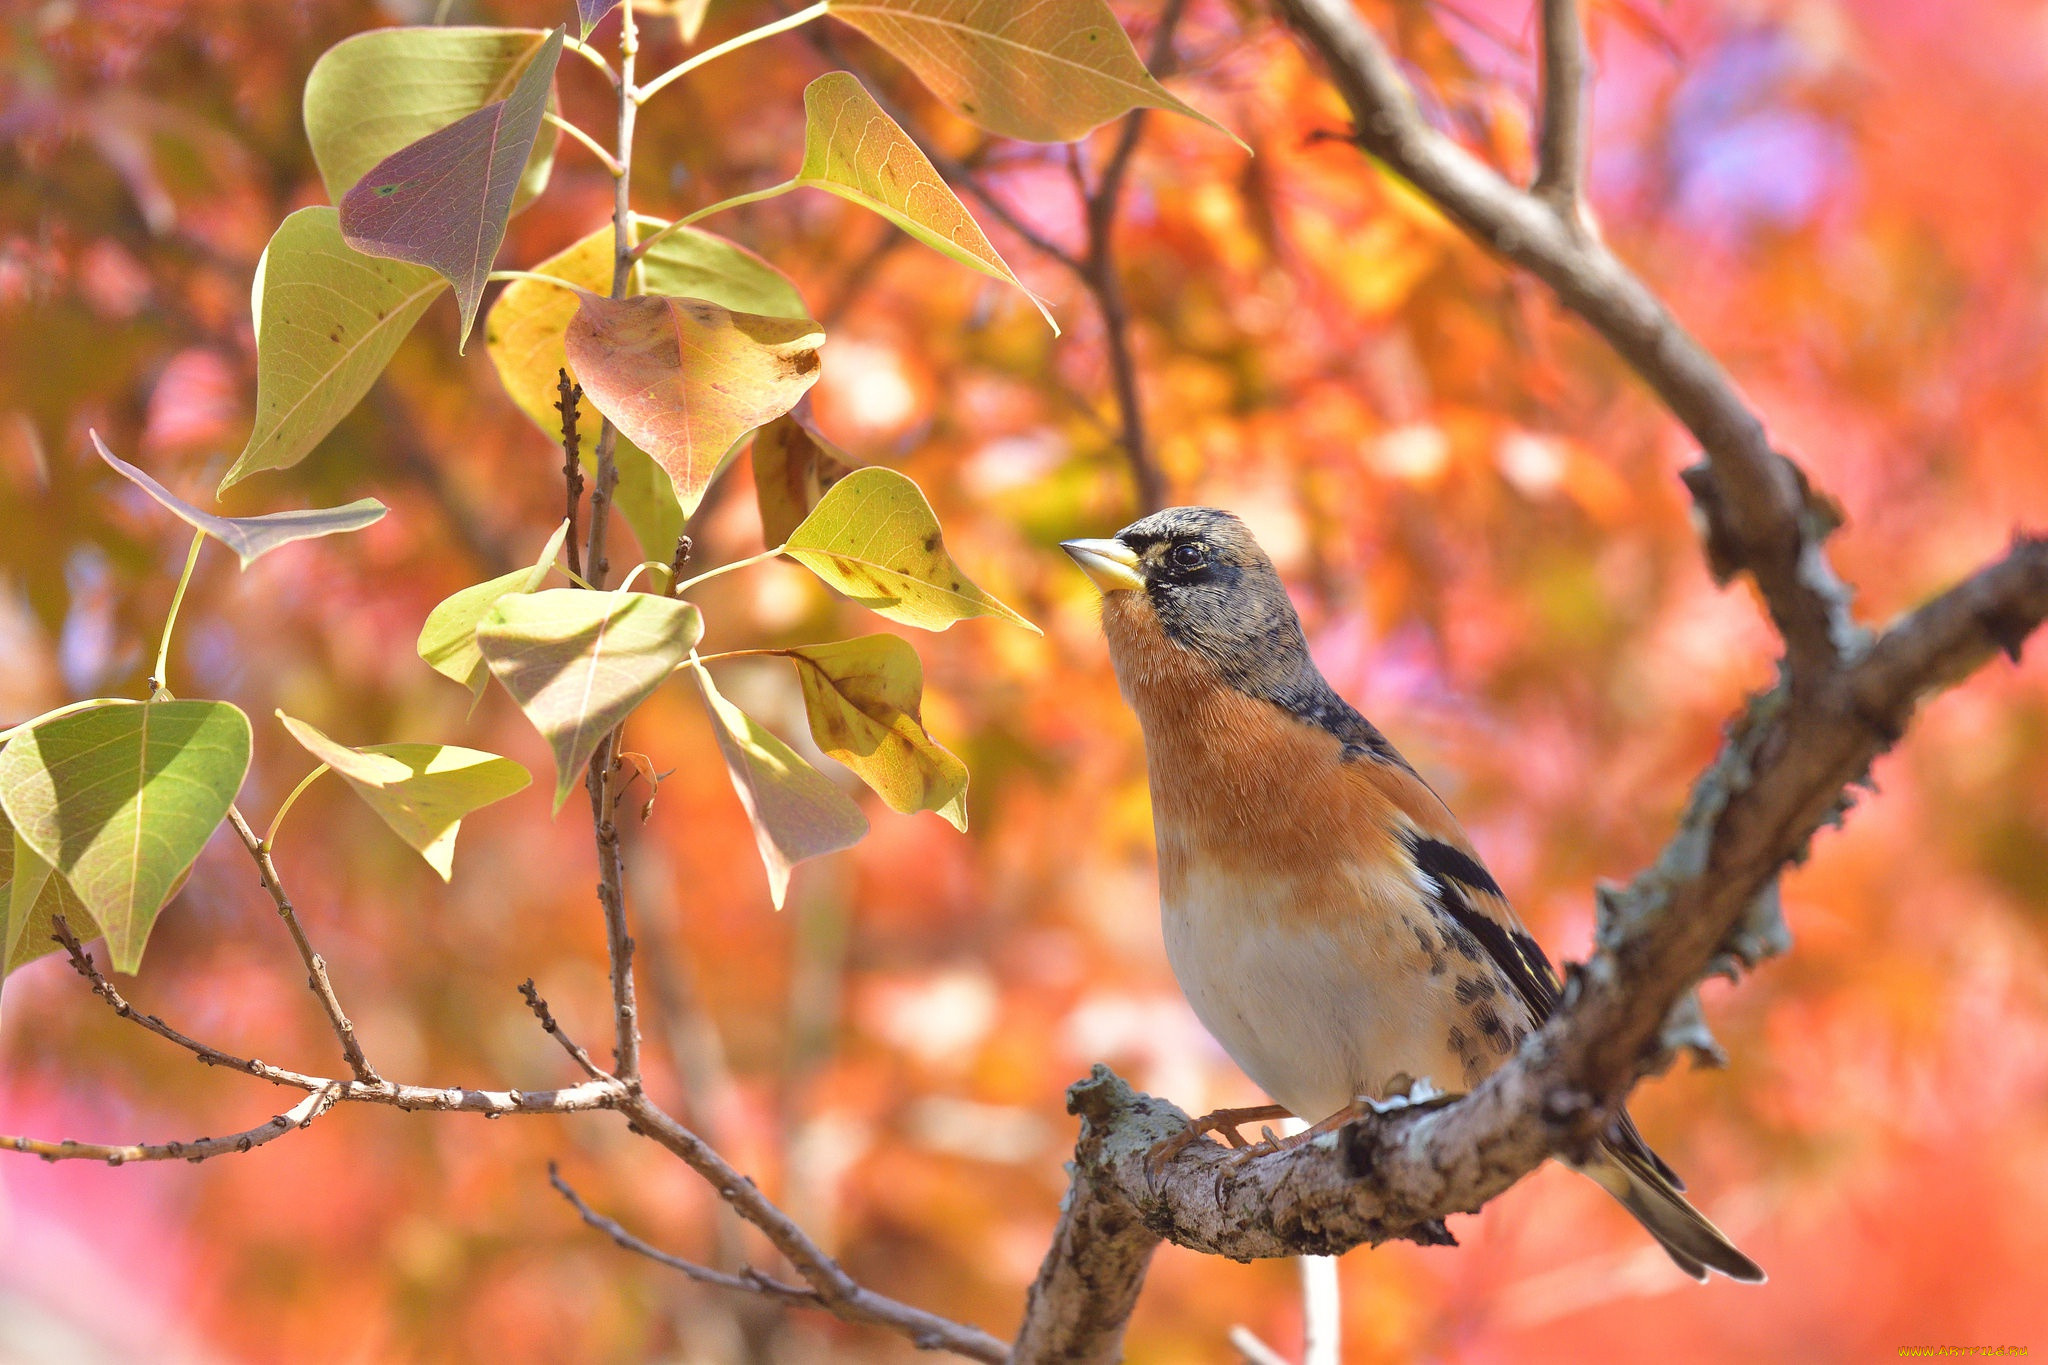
{"type": "Point", "coordinates": [863, 698]}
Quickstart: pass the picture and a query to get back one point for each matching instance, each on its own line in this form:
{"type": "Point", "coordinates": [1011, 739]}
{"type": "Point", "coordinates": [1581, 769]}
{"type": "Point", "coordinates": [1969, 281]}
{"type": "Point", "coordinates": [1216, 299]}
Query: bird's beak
{"type": "Point", "coordinates": [1109, 562]}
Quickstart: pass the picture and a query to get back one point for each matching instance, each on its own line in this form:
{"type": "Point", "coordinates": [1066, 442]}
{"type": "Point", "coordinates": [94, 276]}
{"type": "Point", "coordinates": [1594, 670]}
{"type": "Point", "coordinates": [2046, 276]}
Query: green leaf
{"type": "Point", "coordinates": [1049, 71]}
{"type": "Point", "coordinates": [447, 641]}
{"type": "Point", "coordinates": [442, 201]}
{"type": "Point", "coordinates": [578, 662]}
{"type": "Point", "coordinates": [856, 151]}
{"type": "Point", "coordinates": [328, 319]}
{"type": "Point", "coordinates": [685, 379]}
{"type": "Point", "coordinates": [376, 92]}
{"type": "Point", "coordinates": [31, 897]}
{"type": "Point", "coordinates": [873, 537]}
{"type": "Point", "coordinates": [793, 468]}
{"type": "Point", "coordinates": [863, 698]}
{"type": "Point", "coordinates": [250, 537]}
{"type": "Point", "coordinates": [121, 799]}
{"type": "Point", "coordinates": [525, 326]}
{"type": "Point", "coordinates": [796, 811]}
{"type": "Point", "coordinates": [421, 790]}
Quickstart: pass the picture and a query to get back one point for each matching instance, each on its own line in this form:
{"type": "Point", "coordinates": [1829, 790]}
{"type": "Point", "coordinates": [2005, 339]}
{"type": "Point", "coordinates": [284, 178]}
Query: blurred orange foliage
{"type": "Point", "coordinates": [1475, 504]}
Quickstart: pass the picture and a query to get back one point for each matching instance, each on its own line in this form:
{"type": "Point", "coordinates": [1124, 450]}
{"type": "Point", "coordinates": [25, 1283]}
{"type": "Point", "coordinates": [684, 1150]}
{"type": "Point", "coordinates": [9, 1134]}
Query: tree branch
{"type": "Point", "coordinates": [1561, 142]}
{"type": "Point", "coordinates": [316, 966]}
{"type": "Point", "coordinates": [1783, 772]}
{"type": "Point", "coordinates": [1761, 516]}
{"type": "Point", "coordinates": [195, 1151]}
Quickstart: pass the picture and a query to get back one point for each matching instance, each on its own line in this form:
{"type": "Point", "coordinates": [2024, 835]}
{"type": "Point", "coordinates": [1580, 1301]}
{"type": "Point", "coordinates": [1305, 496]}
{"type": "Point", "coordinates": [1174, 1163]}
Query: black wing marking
{"type": "Point", "coordinates": [1458, 875]}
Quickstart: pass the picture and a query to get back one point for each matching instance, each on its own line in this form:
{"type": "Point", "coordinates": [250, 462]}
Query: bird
{"type": "Point", "coordinates": [1324, 912]}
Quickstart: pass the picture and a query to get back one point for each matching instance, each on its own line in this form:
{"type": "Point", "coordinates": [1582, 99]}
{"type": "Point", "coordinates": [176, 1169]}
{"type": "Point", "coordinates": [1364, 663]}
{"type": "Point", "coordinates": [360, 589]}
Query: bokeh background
{"type": "Point", "coordinates": [1476, 506]}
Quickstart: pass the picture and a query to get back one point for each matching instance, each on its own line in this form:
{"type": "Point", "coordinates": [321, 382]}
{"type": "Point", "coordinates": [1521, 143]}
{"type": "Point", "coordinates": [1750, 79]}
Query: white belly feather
{"type": "Point", "coordinates": [1288, 994]}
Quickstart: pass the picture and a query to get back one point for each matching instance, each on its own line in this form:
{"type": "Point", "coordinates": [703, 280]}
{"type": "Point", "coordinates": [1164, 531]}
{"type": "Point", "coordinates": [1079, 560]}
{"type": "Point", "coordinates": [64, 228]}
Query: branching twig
{"type": "Point", "coordinates": [748, 1281]}
{"type": "Point", "coordinates": [408, 1097]}
{"type": "Point", "coordinates": [838, 1292]}
{"type": "Point", "coordinates": [316, 966]}
{"type": "Point", "coordinates": [1761, 515]}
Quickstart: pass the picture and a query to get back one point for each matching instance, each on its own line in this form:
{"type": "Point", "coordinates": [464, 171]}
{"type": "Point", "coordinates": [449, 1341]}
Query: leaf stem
{"type": "Point", "coordinates": [157, 679]}
{"type": "Point", "coordinates": [728, 568]}
{"type": "Point", "coordinates": [555, 280]}
{"type": "Point", "coordinates": [737, 654]}
{"type": "Point", "coordinates": [643, 565]}
{"type": "Point", "coordinates": [751, 197]}
{"type": "Point", "coordinates": [270, 835]}
{"type": "Point", "coordinates": [683, 68]}
{"type": "Point", "coordinates": [578, 579]}
{"type": "Point", "coordinates": [595, 148]}
{"type": "Point", "coordinates": [593, 56]}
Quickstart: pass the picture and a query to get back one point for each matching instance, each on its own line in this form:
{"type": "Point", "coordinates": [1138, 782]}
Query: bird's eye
{"type": "Point", "coordinates": [1188, 556]}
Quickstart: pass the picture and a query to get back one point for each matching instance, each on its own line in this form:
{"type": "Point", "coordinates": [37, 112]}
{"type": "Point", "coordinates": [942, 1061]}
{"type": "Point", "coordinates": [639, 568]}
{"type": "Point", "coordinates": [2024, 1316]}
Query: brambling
{"type": "Point", "coordinates": [1325, 914]}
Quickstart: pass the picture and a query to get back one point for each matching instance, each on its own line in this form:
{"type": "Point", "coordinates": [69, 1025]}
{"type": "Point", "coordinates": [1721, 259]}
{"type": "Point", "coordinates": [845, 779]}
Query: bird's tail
{"type": "Point", "coordinates": [1647, 1188]}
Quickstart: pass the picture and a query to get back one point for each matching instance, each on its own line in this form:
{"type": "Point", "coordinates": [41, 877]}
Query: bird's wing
{"type": "Point", "coordinates": [1467, 893]}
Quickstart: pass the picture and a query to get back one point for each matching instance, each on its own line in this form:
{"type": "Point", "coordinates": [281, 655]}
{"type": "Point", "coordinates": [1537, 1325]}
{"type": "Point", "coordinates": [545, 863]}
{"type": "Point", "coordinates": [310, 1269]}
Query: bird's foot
{"type": "Point", "coordinates": [1224, 1121]}
{"type": "Point", "coordinates": [1418, 1095]}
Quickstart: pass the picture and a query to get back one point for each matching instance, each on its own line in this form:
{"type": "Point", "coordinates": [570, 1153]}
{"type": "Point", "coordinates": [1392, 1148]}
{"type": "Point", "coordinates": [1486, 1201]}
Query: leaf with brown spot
{"type": "Point", "coordinates": [794, 466]}
{"type": "Point", "coordinates": [442, 201]}
{"type": "Point", "coordinates": [863, 699]}
{"type": "Point", "coordinates": [796, 811]}
{"type": "Point", "coordinates": [874, 537]}
{"type": "Point", "coordinates": [685, 379]}
{"type": "Point", "coordinates": [328, 319]}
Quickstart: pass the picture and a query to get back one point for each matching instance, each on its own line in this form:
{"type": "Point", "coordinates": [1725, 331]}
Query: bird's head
{"type": "Point", "coordinates": [1194, 579]}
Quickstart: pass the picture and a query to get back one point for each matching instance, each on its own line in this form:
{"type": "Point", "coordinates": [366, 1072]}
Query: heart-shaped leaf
{"type": "Point", "coordinates": [793, 468]}
{"type": "Point", "coordinates": [1050, 71]}
{"type": "Point", "coordinates": [250, 537]}
{"type": "Point", "coordinates": [863, 698]}
{"type": "Point", "coordinates": [442, 201]}
{"type": "Point", "coordinates": [685, 379]}
{"type": "Point", "coordinates": [856, 151]}
{"type": "Point", "coordinates": [31, 896]}
{"type": "Point", "coordinates": [421, 790]}
{"type": "Point", "coordinates": [874, 537]}
{"type": "Point", "coordinates": [328, 319]}
{"type": "Point", "coordinates": [578, 662]}
{"type": "Point", "coordinates": [120, 799]}
{"type": "Point", "coordinates": [447, 641]}
{"type": "Point", "coordinates": [796, 811]}
{"type": "Point", "coordinates": [525, 326]}
{"type": "Point", "coordinates": [372, 94]}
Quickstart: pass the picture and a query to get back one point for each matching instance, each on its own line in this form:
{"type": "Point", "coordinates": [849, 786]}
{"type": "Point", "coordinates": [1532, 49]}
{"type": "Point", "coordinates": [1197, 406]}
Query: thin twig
{"type": "Point", "coordinates": [837, 1291]}
{"type": "Point", "coordinates": [546, 1017]}
{"type": "Point", "coordinates": [316, 966]}
{"type": "Point", "coordinates": [568, 396]}
{"type": "Point", "coordinates": [1100, 205]}
{"type": "Point", "coordinates": [195, 1151]}
{"type": "Point", "coordinates": [590, 144]}
{"type": "Point", "coordinates": [1561, 145]}
{"type": "Point", "coordinates": [747, 1281]}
